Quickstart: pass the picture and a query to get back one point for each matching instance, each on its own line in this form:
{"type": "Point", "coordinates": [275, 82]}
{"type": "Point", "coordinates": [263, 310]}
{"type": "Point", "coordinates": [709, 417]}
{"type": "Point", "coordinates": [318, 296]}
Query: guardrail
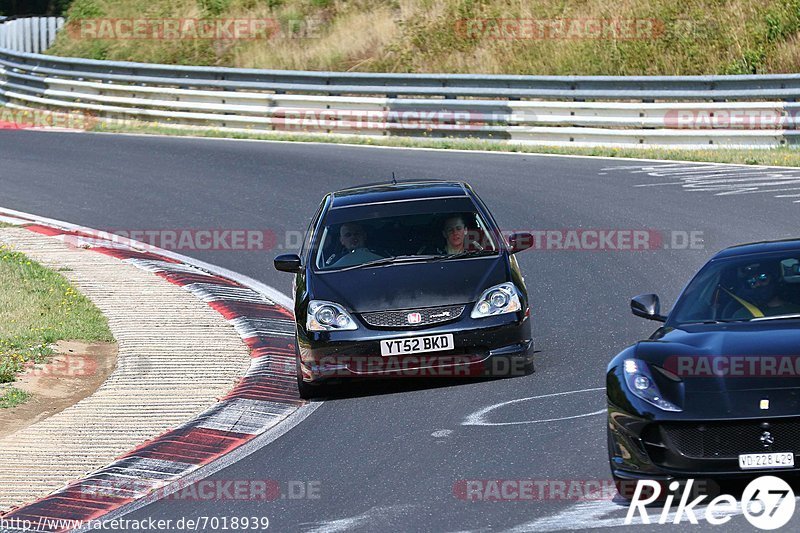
{"type": "Point", "coordinates": [29, 34]}
{"type": "Point", "coordinates": [707, 111]}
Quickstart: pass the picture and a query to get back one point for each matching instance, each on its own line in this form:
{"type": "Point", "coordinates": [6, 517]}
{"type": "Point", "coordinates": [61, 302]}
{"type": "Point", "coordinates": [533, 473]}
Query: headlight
{"type": "Point", "coordinates": [641, 383]}
{"type": "Point", "coordinates": [328, 316]}
{"type": "Point", "coordinates": [498, 300]}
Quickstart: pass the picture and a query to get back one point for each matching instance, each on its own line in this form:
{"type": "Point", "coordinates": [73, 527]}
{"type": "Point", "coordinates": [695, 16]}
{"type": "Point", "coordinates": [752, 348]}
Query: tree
{"type": "Point", "coordinates": [34, 7]}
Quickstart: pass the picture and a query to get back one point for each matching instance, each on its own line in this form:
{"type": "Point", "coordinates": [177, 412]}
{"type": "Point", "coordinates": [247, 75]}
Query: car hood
{"type": "Point", "coordinates": [410, 285]}
{"type": "Point", "coordinates": [732, 366]}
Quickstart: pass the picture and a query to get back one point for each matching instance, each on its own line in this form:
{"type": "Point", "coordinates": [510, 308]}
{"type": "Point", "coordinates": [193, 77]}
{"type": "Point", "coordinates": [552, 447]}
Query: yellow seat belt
{"type": "Point", "coordinates": [755, 311]}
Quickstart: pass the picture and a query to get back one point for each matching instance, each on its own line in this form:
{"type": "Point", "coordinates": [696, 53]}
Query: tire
{"type": "Point", "coordinates": [529, 367]}
{"type": "Point", "coordinates": [307, 390]}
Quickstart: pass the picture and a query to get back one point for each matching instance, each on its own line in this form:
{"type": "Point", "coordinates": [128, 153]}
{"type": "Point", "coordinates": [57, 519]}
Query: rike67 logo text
{"type": "Point", "coordinates": [768, 503]}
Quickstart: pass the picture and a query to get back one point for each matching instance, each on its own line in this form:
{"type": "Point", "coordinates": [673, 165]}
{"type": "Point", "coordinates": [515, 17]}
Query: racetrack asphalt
{"type": "Point", "coordinates": [389, 455]}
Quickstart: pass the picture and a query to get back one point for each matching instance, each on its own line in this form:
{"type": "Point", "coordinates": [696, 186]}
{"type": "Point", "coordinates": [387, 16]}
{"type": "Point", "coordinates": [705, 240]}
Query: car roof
{"type": "Point", "coordinates": [783, 245]}
{"type": "Point", "coordinates": [397, 191]}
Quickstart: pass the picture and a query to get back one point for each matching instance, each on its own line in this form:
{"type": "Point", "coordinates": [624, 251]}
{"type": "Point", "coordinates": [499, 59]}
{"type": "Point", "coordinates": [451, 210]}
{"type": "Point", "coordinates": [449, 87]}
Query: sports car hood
{"type": "Point", "coordinates": [732, 367]}
{"type": "Point", "coordinates": [410, 285]}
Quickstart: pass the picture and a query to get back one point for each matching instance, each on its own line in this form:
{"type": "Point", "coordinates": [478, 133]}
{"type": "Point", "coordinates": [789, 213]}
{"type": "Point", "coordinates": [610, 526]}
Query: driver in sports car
{"type": "Point", "coordinates": [353, 239]}
{"type": "Point", "coordinates": [761, 293]}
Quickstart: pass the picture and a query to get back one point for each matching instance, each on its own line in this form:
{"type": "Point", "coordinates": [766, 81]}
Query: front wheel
{"type": "Point", "coordinates": [529, 367]}
{"type": "Point", "coordinates": [307, 390]}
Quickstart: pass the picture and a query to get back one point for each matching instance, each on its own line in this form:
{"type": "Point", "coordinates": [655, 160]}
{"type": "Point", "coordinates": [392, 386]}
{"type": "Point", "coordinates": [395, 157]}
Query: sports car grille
{"type": "Point", "coordinates": [721, 440]}
{"type": "Point", "coordinates": [399, 319]}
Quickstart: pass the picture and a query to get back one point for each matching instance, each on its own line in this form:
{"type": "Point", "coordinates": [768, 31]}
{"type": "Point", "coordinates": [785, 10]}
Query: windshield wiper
{"type": "Point", "coordinates": [777, 317]}
{"type": "Point", "coordinates": [386, 261]}
{"type": "Point", "coordinates": [465, 253]}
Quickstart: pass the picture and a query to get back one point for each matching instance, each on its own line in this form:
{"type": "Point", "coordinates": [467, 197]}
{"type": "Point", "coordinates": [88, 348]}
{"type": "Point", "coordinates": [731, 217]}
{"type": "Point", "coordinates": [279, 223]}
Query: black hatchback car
{"type": "Point", "coordinates": [715, 392]}
{"type": "Point", "coordinates": [410, 279]}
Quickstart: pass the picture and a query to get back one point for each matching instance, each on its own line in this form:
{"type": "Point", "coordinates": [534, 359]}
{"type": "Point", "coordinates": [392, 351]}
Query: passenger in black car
{"type": "Point", "coordinates": [457, 237]}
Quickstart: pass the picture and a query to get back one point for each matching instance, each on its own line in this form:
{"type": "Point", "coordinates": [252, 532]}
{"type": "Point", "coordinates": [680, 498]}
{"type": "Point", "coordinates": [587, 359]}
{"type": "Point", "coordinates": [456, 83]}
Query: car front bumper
{"type": "Point", "coordinates": [641, 448]}
{"type": "Point", "coordinates": [492, 346]}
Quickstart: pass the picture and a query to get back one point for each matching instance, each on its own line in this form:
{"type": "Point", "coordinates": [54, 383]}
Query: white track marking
{"type": "Point", "coordinates": [478, 418]}
{"type": "Point", "coordinates": [584, 515]}
{"type": "Point", "coordinates": [366, 520]}
{"type": "Point", "coordinates": [721, 180]}
{"type": "Point", "coordinates": [253, 327]}
{"type": "Point", "coordinates": [152, 265]}
{"type": "Point", "coordinates": [605, 513]}
{"type": "Point", "coordinates": [12, 220]}
{"type": "Point", "coordinates": [211, 292]}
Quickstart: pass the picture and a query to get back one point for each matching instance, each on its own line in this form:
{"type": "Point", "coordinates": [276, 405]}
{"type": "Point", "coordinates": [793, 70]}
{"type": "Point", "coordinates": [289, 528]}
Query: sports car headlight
{"type": "Point", "coordinates": [641, 383]}
{"type": "Point", "coordinates": [328, 316]}
{"type": "Point", "coordinates": [498, 300]}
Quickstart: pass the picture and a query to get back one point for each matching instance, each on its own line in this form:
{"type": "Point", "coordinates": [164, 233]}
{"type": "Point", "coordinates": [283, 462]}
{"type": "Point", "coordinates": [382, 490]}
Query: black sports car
{"type": "Point", "coordinates": [715, 392]}
{"type": "Point", "coordinates": [407, 279]}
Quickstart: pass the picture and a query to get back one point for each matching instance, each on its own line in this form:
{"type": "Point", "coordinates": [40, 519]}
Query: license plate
{"type": "Point", "coordinates": [429, 343]}
{"type": "Point", "coordinates": [766, 460]}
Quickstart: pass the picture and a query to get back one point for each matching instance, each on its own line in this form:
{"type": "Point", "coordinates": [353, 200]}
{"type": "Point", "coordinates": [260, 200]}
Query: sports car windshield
{"type": "Point", "coordinates": [356, 237]}
{"type": "Point", "coordinates": [756, 287]}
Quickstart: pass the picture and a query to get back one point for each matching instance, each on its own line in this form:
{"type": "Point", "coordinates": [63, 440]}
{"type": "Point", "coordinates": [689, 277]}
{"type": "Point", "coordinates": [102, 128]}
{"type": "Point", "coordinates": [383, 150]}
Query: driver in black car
{"type": "Point", "coordinates": [761, 293]}
{"type": "Point", "coordinates": [353, 239]}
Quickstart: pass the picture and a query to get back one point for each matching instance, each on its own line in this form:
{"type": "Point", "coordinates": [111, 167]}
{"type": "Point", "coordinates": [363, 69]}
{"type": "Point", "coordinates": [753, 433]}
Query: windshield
{"type": "Point", "coordinates": [351, 238]}
{"type": "Point", "coordinates": [755, 287]}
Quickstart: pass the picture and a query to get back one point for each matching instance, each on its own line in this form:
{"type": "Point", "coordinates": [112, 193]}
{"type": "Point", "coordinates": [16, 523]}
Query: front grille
{"type": "Point", "coordinates": [726, 440]}
{"type": "Point", "coordinates": [399, 319]}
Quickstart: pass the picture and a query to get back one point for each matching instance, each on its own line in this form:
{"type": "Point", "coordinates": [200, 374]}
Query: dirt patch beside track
{"type": "Point", "coordinates": [75, 371]}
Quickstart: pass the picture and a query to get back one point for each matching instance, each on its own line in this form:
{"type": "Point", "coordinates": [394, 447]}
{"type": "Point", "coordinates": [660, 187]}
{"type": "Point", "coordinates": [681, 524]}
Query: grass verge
{"type": "Point", "coordinates": [12, 397]}
{"type": "Point", "coordinates": [37, 308]}
{"type": "Point", "coordinates": [626, 37]}
{"type": "Point", "coordinates": [781, 156]}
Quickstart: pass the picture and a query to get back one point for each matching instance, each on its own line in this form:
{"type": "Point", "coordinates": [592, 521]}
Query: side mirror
{"type": "Point", "coordinates": [647, 306]}
{"type": "Point", "coordinates": [288, 263]}
{"type": "Point", "coordinates": [520, 241]}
